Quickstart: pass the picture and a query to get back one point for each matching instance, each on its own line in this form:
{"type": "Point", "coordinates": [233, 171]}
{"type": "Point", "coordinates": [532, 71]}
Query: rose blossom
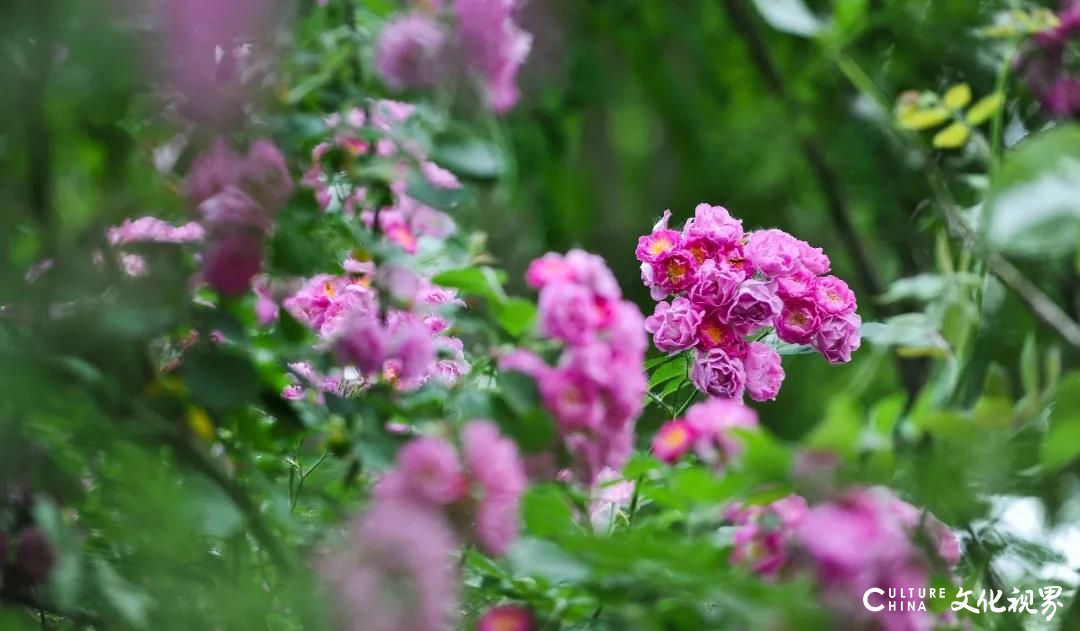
{"type": "Point", "coordinates": [755, 305]}
{"type": "Point", "coordinates": [674, 325]}
{"type": "Point", "coordinates": [798, 321]}
{"type": "Point", "coordinates": [715, 287]}
{"type": "Point", "coordinates": [773, 252]}
{"type": "Point", "coordinates": [833, 297]}
{"type": "Point", "coordinates": [714, 332]}
{"type": "Point", "coordinates": [838, 337]}
{"type": "Point", "coordinates": [672, 440]}
{"type": "Point", "coordinates": [409, 51]}
{"type": "Point", "coordinates": [674, 271]}
{"type": "Point", "coordinates": [764, 374]}
{"type": "Point", "coordinates": [712, 422]}
{"type": "Point", "coordinates": [716, 373]}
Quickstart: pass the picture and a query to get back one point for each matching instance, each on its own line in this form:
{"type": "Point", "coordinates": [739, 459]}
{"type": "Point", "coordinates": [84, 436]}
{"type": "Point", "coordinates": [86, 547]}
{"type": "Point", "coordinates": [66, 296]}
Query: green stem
{"type": "Point", "coordinates": [997, 124]}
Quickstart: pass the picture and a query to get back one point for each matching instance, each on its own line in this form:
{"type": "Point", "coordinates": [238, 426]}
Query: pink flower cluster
{"type": "Point", "coordinates": [398, 574]}
{"type": "Point", "coordinates": [404, 347]}
{"type": "Point", "coordinates": [596, 389]}
{"type": "Point", "coordinates": [866, 537]}
{"type": "Point", "coordinates": [154, 230]}
{"type": "Point", "coordinates": [480, 492]}
{"type": "Point", "coordinates": [709, 429]}
{"type": "Point", "coordinates": [417, 49]}
{"type": "Point", "coordinates": [406, 220]}
{"type": "Point", "coordinates": [721, 289]}
{"type": "Point", "coordinates": [237, 198]}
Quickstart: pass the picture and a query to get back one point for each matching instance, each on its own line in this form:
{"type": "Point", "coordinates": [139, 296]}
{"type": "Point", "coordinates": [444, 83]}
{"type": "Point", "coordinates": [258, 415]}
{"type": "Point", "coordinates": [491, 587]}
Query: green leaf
{"type": "Point", "coordinates": [927, 287]}
{"type": "Point", "coordinates": [423, 191]}
{"type": "Point", "coordinates": [471, 157]}
{"type": "Point", "coordinates": [984, 108]}
{"type": "Point", "coordinates": [912, 333]}
{"type": "Point", "coordinates": [221, 378]}
{"type": "Point", "coordinates": [952, 137]}
{"type": "Point", "coordinates": [125, 599]}
{"type": "Point", "coordinates": [516, 315]}
{"type": "Point", "coordinates": [666, 372]}
{"type": "Point", "coordinates": [1033, 208]}
{"type": "Point", "coordinates": [535, 558]}
{"type": "Point", "coordinates": [476, 281]}
{"type": "Point", "coordinates": [519, 391]}
{"type": "Point", "coordinates": [789, 16]}
{"type": "Point", "coordinates": [546, 513]}
{"type": "Point", "coordinates": [1062, 443]}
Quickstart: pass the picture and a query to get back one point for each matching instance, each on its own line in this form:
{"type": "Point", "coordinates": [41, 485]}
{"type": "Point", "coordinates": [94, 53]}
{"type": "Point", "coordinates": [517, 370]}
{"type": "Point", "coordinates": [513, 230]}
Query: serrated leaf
{"type": "Point", "coordinates": [919, 119]}
{"type": "Point", "coordinates": [952, 137]}
{"type": "Point", "coordinates": [984, 108]}
{"type": "Point", "coordinates": [471, 157]}
{"type": "Point", "coordinates": [957, 96]}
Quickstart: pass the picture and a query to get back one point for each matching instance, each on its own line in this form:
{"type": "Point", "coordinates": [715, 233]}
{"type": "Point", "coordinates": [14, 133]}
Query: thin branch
{"type": "Point", "coordinates": [826, 178]}
{"type": "Point", "coordinates": [1040, 304]}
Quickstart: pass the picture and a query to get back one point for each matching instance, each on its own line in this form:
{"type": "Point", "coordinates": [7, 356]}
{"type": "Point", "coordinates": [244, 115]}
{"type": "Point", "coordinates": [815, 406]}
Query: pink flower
{"type": "Point", "coordinates": [397, 573]}
{"type": "Point", "coordinates": [412, 345]}
{"type": "Point", "coordinates": [591, 271]}
{"type": "Point", "coordinates": [833, 297]}
{"type": "Point", "coordinates": [715, 287]}
{"type": "Point", "coordinates": [266, 310]}
{"type": "Point", "coordinates": [410, 52]}
{"type": "Point", "coordinates": [714, 332]}
{"type": "Point", "coordinates": [574, 402]}
{"type": "Point", "coordinates": [813, 259]}
{"type": "Point", "coordinates": [763, 534]}
{"type": "Point", "coordinates": [550, 268]}
{"type": "Point", "coordinates": [660, 242]}
{"type": "Point", "coordinates": [674, 271]}
{"type": "Point", "coordinates": [755, 305]}
{"type": "Point", "coordinates": [231, 261]}
{"type": "Point", "coordinates": [718, 374]}
{"type": "Point", "coordinates": [212, 171]}
{"type": "Point", "coordinates": [362, 342]}
{"type": "Point", "coordinates": [798, 285]}
{"type": "Point", "coordinates": [714, 223]}
{"type": "Point", "coordinates": [764, 374]}
{"type": "Point", "coordinates": [568, 312]}
{"type": "Point", "coordinates": [497, 524]}
{"type": "Point", "coordinates": [712, 422]}
{"type": "Point", "coordinates": [838, 337]}
{"type": "Point", "coordinates": [506, 618]}
{"type": "Point", "coordinates": [674, 325]}
{"type": "Point", "coordinates": [430, 471]}
{"type": "Point", "coordinates": [773, 252]}
{"type": "Point", "coordinates": [232, 209]}
{"type": "Point", "coordinates": [798, 321]}
{"type": "Point", "coordinates": [672, 440]}
{"type": "Point", "coordinates": [494, 46]}
{"type": "Point", "coordinates": [154, 230]}
{"type": "Point", "coordinates": [492, 460]}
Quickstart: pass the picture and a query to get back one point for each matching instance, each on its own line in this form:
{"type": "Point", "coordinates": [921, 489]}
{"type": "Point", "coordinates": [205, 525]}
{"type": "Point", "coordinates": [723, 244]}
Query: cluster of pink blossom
{"type": "Point", "coordinates": [417, 49]}
{"type": "Point", "coordinates": [141, 230]}
{"type": "Point", "coordinates": [866, 537]}
{"type": "Point", "coordinates": [709, 428]}
{"type": "Point", "coordinates": [405, 220]}
{"type": "Point", "coordinates": [728, 287]}
{"type": "Point", "coordinates": [403, 347]}
{"type": "Point", "coordinates": [237, 198]}
{"type": "Point", "coordinates": [398, 574]}
{"type": "Point", "coordinates": [596, 389]}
